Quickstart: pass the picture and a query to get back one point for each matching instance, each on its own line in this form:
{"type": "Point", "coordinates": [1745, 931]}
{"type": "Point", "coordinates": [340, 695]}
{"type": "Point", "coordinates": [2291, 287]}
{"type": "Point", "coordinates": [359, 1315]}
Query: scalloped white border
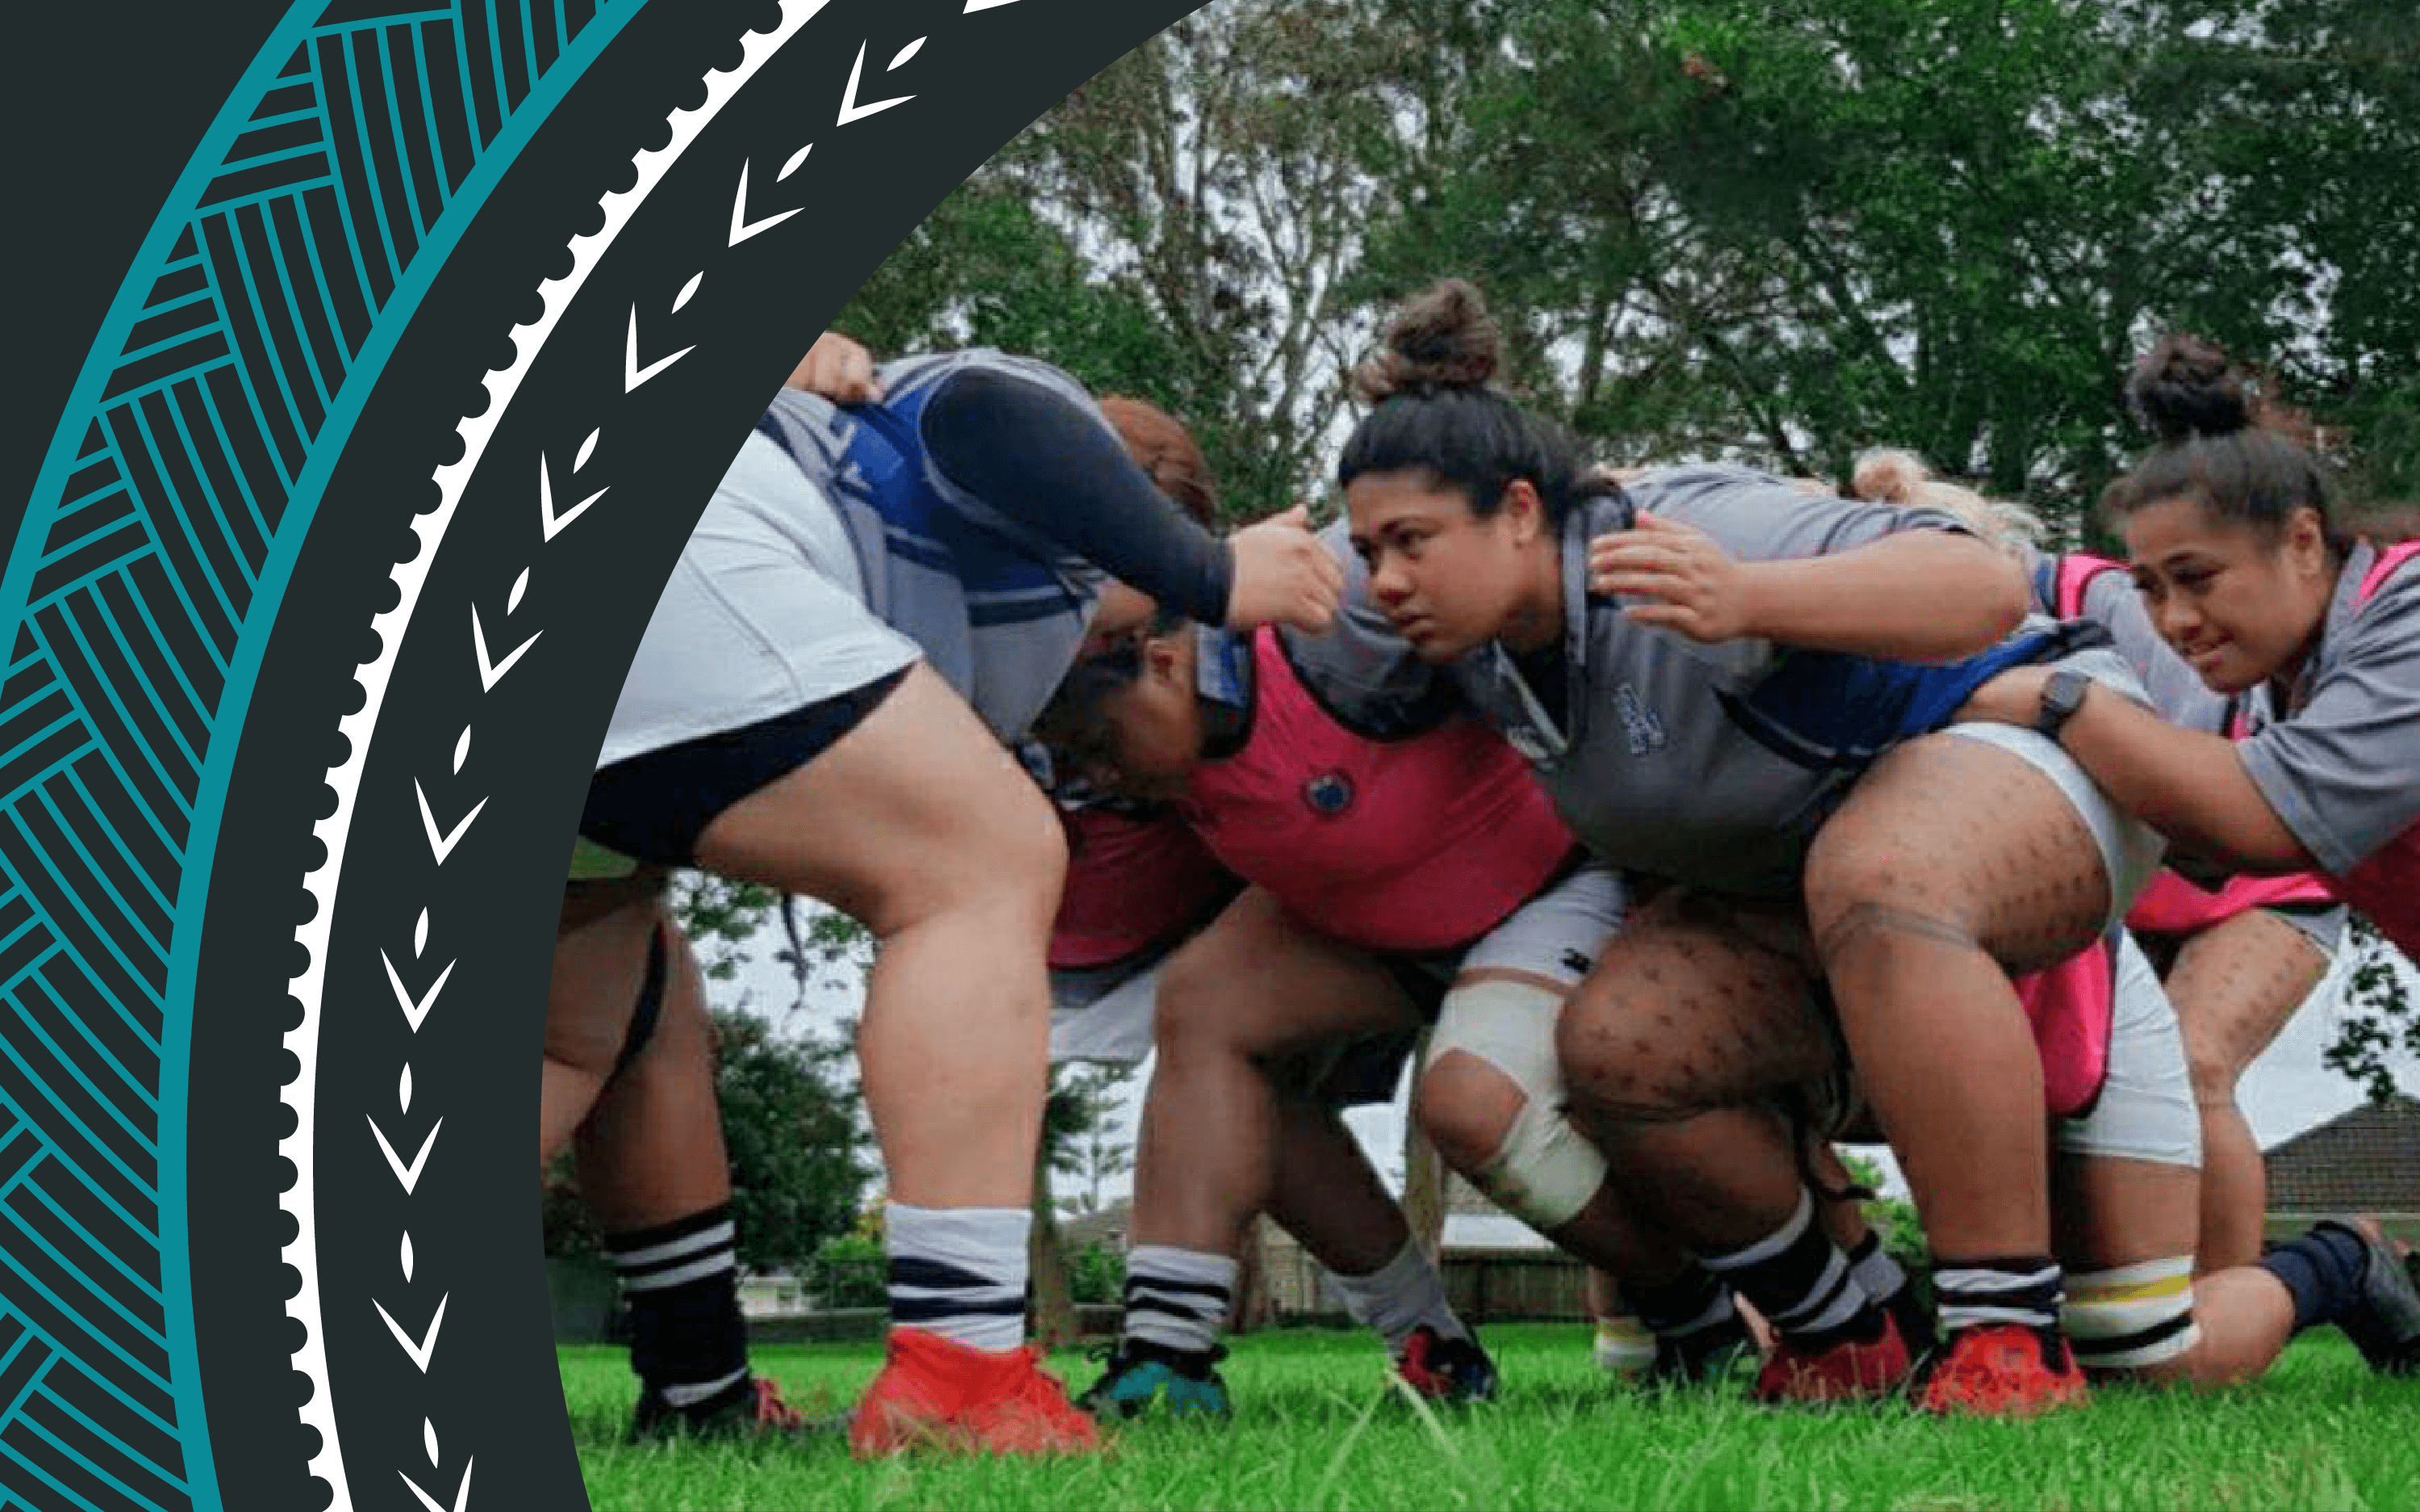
{"type": "Point", "coordinates": [299, 1095]}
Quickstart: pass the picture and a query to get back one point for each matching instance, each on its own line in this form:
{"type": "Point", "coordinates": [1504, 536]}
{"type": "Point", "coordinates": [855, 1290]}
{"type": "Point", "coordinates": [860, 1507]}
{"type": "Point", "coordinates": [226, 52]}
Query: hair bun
{"type": "Point", "coordinates": [1443, 338]}
{"type": "Point", "coordinates": [2186, 387]}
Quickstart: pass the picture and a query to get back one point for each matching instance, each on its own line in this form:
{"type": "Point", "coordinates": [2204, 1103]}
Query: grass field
{"type": "Point", "coordinates": [1317, 1426]}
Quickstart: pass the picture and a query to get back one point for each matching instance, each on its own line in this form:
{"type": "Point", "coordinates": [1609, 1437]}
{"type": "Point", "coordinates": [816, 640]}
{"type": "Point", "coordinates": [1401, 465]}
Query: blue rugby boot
{"type": "Point", "coordinates": [1138, 1373]}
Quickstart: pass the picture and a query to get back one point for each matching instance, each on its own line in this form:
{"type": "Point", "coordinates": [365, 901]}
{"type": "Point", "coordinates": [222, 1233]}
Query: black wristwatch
{"type": "Point", "coordinates": [2062, 695]}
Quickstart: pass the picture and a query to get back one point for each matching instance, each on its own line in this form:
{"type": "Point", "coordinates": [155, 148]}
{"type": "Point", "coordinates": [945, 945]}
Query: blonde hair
{"type": "Point", "coordinates": [1889, 476]}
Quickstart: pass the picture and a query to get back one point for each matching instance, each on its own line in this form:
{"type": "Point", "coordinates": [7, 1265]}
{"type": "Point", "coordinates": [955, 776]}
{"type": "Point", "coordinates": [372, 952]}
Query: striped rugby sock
{"type": "Point", "coordinates": [1799, 1279]}
{"type": "Point", "coordinates": [959, 1273]}
{"type": "Point", "coordinates": [680, 1280]}
{"type": "Point", "coordinates": [2025, 1290]}
{"type": "Point", "coordinates": [1689, 1303]}
{"type": "Point", "coordinates": [1178, 1299]}
{"type": "Point", "coordinates": [2132, 1316]}
{"type": "Point", "coordinates": [1882, 1277]}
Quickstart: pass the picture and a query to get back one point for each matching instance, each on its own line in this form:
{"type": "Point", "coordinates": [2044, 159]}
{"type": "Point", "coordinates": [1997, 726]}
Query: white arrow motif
{"type": "Point", "coordinates": [409, 1176]}
{"type": "Point", "coordinates": [414, 1012]}
{"type": "Point", "coordinates": [427, 1345]}
{"type": "Point", "coordinates": [973, 5]}
{"type": "Point", "coordinates": [554, 522]}
{"type": "Point", "coordinates": [632, 374]}
{"type": "Point", "coordinates": [442, 845]}
{"type": "Point", "coordinates": [743, 227]}
{"type": "Point", "coordinates": [462, 1496]}
{"type": "Point", "coordinates": [849, 109]}
{"type": "Point", "coordinates": [492, 672]}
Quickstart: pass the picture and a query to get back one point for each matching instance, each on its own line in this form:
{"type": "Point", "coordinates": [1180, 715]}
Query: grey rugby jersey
{"type": "Point", "coordinates": [2342, 769]}
{"type": "Point", "coordinates": [1650, 771]}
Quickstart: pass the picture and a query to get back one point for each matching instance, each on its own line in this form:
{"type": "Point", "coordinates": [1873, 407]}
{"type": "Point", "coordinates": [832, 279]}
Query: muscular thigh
{"type": "Point", "coordinates": [2235, 984]}
{"type": "Point", "coordinates": [1260, 981]}
{"type": "Point", "coordinates": [915, 811]}
{"type": "Point", "coordinates": [1965, 840]}
{"type": "Point", "coordinates": [1698, 1003]}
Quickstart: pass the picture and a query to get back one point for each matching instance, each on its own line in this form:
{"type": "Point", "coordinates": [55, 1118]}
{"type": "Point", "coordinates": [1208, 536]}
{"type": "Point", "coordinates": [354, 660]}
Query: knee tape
{"type": "Point", "coordinates": [1544, 1172]}
{"type": "Point", "coordinates": [2132, 1316]}
{"type": "Point", "coordinates": [650, 1009]}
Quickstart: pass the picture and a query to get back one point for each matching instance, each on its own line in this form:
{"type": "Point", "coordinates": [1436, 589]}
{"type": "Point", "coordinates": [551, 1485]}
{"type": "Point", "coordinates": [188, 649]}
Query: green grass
{"type": "Point", "coordinates": [1317, 1426]}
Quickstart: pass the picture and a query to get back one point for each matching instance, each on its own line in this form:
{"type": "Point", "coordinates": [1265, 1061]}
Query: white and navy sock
{"type": "Point", "coordinates": [959, 1273]}
{"type": "Point", "coordinates": [1399, 1296]}
{"type": "Point", "coordinates": [2023, 1290]}
{"type": "Point", "coordinates": [680, 1280]}
{"type": "Point", "coordinates": [1799, 1279]}
{"type": "Point", "coordinates": [1178, 1299]}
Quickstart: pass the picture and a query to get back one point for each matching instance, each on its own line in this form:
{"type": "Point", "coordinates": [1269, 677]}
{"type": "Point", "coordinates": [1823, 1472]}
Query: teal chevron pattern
{"type": "Point", "coordinates": [149, 566]}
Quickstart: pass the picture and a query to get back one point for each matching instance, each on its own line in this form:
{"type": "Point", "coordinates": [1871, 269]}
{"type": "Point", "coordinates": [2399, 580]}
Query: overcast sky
{"type": "Point", "coordinates": [2287, 1090]}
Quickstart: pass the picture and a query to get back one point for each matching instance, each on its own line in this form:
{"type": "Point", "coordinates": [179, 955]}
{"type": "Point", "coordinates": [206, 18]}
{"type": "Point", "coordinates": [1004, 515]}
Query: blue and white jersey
{"type": "Point", "coordinates": [996, 608]}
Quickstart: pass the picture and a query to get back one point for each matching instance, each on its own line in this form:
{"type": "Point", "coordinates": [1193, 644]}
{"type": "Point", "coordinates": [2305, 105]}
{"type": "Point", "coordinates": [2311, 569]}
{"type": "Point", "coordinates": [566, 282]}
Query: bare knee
{"type": "Point", "coordinates": [1008, 877]}
{"type": "Point", "coordinates": [2214, 1072]}
{"type": "Point", "coordinates": [1193, 1014]}
{"type": "Point", "coordinates": [1467, 1109]}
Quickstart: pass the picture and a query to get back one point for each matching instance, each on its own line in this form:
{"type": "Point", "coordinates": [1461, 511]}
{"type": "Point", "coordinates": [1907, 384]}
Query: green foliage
{"type": "Point", "coordinates": [564, 1221]}
{"type": "Point", "coordinates": [1082, 1137]}
{"type": "Point", "coordinates": [2377, 1018]}
{"type": "Point", "coordinates": [1894, 1218]}
{"type": "Point", "coordinates": [722, 918]}
{"type": "Point", "coordinates": [849, 1271]}
{"type": "Point", "coordinates": [792, 1122]}
{"type": "Point", "coordinates": [1097, 1274]}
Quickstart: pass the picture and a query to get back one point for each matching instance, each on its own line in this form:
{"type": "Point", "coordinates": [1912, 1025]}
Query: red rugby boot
{"type": "Point", "coordinates": [2002, 1370]}
{"type": "Point", "coordinates": [1851, 1370]}
{"type": "Point", "coordinates": [938, 1393]}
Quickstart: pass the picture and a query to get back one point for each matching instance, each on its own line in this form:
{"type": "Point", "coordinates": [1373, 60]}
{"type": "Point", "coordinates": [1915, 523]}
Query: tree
{"type": "Point", "coordinates": [792, 1123]}
{"type": "Point", "coordinates": [1099, 1149]}
{"type": "Point", "coordinates": [2376, 1016]}
{"type": "Point", "coordinates": [1065, 1117]}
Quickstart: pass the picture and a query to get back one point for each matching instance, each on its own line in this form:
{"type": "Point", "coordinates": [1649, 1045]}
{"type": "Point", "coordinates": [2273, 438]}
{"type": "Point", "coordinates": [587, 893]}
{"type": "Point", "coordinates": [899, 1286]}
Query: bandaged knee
{"type": "Point", "coordinates": [2133, 1316]}
{"type": "Point", "coordinates": [1544, 1172]}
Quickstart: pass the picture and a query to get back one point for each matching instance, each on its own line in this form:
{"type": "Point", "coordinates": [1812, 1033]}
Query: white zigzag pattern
{"type": "Point", "coordinates": [318, 1413]}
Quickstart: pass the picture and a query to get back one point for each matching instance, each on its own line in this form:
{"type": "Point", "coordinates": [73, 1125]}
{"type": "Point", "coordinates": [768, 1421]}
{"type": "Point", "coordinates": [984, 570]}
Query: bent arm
{"type": "Point", "coordinates": [2189, 786]}
{"type": "Point", "coordinates": [1044, 463]}
{"type": "Point", "coordinates": [1912, 595]}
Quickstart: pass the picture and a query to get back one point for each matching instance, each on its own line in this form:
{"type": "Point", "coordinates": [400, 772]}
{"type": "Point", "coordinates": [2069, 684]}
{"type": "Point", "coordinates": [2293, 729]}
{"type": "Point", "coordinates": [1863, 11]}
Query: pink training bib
{"type": "Point", "coordinates": [2387, 884]}
{"type": "Point", "coordinates": [2170, 905]}
{"type": "Point", "coordinates": [1132, 884]}
{"type": "Point", "coordinates": [1423, 844]}
{"type": "Point", "coordinates": [2072, 1006]}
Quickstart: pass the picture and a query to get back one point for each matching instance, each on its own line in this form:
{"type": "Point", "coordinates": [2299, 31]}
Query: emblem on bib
{"type": "Point", "coordinates": [1329, 794]}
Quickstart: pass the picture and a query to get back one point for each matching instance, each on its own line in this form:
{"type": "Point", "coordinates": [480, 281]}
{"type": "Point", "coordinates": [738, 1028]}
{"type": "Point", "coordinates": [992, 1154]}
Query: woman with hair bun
{"type": "Point", "coordinates": [2250, 574]}
{"type": "Point", "coordinates": [1726, 682]}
